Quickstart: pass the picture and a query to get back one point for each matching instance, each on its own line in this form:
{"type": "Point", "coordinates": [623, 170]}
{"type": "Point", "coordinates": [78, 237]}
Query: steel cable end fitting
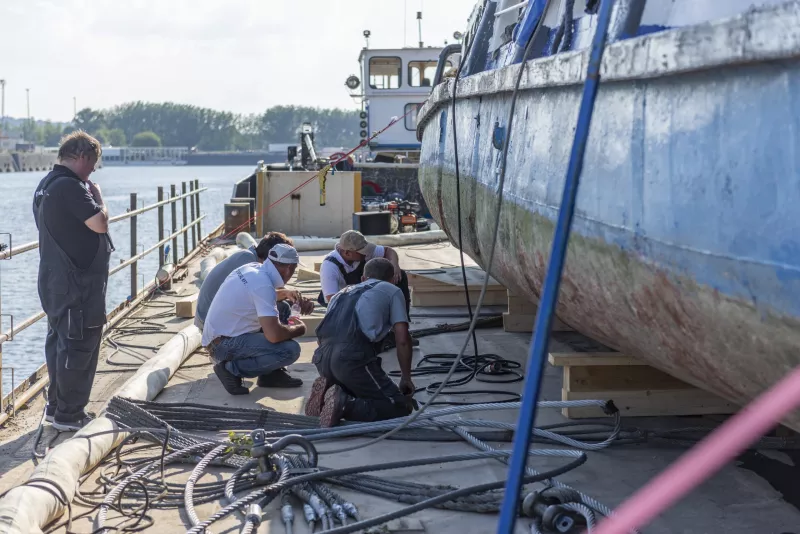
{"type": "Point", "coordinates": [287, 514]}
{"type": "Point", "coordinates": [254, 515]}
{"type": "Point", "coordinates": [339, 512]}
{"type": "Point", "coordinates": [553, 516]}
{"type": "Point", "coordinates": [351, 510]}
{"type": "Point", "coordinates": [309, 514]}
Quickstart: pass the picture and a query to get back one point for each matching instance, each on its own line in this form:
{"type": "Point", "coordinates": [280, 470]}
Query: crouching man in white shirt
{"type": "Point", "coordinates": [242, 331]}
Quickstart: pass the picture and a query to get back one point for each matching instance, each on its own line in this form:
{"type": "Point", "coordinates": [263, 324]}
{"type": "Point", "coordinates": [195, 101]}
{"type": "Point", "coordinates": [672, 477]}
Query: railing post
{"type": "Point", "coordinates": [194, 226]}
{"type": "Point", "coordinates": [185, 221]}
{"type": "Point", "coordinates": [197, 200]}
{"type": "Point", "coordinates": [160, 227]}
{"type": "Point", "coordinates": [173, 192]}
{"type": "Point", "coordinates": [134, 265]}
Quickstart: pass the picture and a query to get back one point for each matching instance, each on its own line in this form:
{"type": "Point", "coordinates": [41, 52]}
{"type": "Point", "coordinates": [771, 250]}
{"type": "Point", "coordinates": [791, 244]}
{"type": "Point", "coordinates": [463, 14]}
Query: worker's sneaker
{"type": "Point", "coordinates": [231, 383]}
{"type": "Point", "coordinates": [332, 407]}
{"type": "Point", "coordinates": [318, 389]}
{"type": "Point", "coordinates": [279, 379]}
{"type": "Point", "coordinates": [49, 413]}
{"type": "Point", "coordinates": [72, 426]}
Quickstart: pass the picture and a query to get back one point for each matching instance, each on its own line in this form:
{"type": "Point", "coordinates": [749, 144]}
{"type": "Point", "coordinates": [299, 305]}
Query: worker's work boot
{"type": "Point", "coordinates": [333, 407]}
{"type": "Point", "coordinates": [318, 390]}
{"type": "Point", "coordinates": [278, 379]}
{"type": "Point", "coordinates": [231, 383]}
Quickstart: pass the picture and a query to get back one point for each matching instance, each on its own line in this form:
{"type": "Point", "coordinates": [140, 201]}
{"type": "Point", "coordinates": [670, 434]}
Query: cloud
{"type": "Point", "coordinates": [239, 55]}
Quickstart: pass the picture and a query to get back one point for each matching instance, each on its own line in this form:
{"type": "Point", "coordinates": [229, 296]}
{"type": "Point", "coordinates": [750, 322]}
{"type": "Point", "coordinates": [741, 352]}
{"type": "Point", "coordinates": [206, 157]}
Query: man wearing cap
{"type": "Point", "coordinates": [344, 266]}
{"type": "Point", "coordinates": [242, 330]}
{"type": "Point", "coordinates": [257, 253]}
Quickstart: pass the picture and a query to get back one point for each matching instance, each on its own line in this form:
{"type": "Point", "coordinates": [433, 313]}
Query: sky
{"type": "Point", "coordinates": [238, 55]}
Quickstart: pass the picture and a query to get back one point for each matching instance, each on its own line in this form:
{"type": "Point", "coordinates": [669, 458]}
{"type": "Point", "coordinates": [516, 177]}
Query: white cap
{"type": "Point", "coordinates": [283, 253]}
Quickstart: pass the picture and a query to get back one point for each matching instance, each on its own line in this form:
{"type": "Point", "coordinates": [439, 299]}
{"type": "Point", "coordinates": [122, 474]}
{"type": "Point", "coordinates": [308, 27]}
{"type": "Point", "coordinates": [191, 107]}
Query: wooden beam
{"type": "Point", "coordinates": [649, 403]}
{"type": "Point", "coordinates": [561, 359]}
{"type": "Point", "coordinates": [455, 298]}
{"type": "Point", "coordinates": [187, 307]}
{"type": "Point", "coordinates": [303, 275]}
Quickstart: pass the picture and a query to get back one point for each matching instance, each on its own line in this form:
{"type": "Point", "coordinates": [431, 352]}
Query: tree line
{"type": "Point", "coordinates": [169, 124]}
{"type": "Point", "coordinates": [181, 125]}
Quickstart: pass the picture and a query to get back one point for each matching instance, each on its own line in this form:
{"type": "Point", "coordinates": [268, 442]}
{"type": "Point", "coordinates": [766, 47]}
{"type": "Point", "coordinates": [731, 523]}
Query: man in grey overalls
{"type": "Point", "coordinates": [352, 384]}
{"type": "Point", "coordinates": [74, 253]}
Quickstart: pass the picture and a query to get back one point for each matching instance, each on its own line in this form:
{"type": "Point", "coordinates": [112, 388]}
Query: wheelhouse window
{"type": "Point", "coordinates": [421, 73]}
{"type": "Point", "coordinates": [385, 72]}
{"type": "Point", "coordinates": [411, 118]}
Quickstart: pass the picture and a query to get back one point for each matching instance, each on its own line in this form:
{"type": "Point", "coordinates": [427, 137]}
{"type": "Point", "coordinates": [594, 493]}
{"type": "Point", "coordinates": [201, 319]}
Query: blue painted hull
{"type": "Point", "coordinates": [686, 241]}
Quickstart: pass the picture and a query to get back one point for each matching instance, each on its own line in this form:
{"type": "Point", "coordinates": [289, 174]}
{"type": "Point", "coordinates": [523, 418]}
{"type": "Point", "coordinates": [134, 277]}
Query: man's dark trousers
{"type": "Point", "coordinates": [348, 358]}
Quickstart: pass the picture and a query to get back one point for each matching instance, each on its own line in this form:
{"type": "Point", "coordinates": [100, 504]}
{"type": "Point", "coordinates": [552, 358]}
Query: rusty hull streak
{"type": "Point", "coordinates": [615, 297]}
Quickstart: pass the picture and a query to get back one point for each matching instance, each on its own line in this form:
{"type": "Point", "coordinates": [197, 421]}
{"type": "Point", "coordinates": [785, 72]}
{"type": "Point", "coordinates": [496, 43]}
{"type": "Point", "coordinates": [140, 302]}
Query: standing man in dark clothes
{"type": "Point", "coordinates": [74, 252]}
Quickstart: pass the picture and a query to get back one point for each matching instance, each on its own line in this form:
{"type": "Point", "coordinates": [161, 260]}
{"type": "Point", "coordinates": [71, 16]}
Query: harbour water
{"type": "Point", "coordinates": [18, 275]}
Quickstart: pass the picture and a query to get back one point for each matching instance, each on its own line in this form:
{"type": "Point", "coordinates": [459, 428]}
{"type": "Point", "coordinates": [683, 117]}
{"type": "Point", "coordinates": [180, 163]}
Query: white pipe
{"type": "Point", "coordinates": [306, 244]}
{"type": "Point", "coordinates": [26, 509]}
{"type": "Point", "coordinates": [245, 240]}
{"type": "Point", "coordinates": [512, 8]}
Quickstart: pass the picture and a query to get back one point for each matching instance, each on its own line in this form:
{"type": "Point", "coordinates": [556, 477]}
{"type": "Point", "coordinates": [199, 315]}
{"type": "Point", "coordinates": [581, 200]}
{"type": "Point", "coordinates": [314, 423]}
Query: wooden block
{"type": "Point", "coordinates": [186, 307]}
{"type": "Point", "coordinates": [451, 279]}
{"type": "Point", "coordinates": [521, 305]}
{"type": "Point", "coordinates": [303, 274]}
{"type": "Point", "coordinates": [317, 265]}
{"type": "Point", "coordinates": [561, 359]}
{"type": "Point", "coordinates": [514, 322]}
{"type": "Point", "coordinates": [650, 403]}
{"type": "Point", "coordinates": [619, 378]}
{"type": "Point", "coordinates": [455, 298]}
{"type": "Point", "coordinates": [312, 322]}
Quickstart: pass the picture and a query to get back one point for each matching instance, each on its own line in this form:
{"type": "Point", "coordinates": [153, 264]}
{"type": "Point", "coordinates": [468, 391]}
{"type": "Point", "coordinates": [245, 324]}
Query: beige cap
{"type": "Point", "coordinates": [355, 241]}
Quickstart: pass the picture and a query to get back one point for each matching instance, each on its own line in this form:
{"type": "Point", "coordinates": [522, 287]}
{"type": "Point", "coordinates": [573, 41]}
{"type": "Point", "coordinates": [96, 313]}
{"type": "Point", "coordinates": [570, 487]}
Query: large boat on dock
{"type": "Point", "coordinates": [685, 246]}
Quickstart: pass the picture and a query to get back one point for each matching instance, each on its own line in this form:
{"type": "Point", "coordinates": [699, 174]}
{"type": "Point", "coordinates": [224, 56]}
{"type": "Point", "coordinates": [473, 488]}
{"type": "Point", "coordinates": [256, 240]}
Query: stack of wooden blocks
{"type": "Point", "coordinates": [521, 316]}
{"type": "Point", "coordinates": [445, 287]}
{"type": "Point", "coordinates": [636, 388]}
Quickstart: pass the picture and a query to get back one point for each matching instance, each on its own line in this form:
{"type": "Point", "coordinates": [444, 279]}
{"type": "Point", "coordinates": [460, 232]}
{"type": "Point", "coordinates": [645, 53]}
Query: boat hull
{"type": "Point", "coordinates": [685, 247]}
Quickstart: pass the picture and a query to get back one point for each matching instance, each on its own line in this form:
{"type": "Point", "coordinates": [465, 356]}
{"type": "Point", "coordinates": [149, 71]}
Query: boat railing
{"type": "Point", "coordinates": [188, 197]}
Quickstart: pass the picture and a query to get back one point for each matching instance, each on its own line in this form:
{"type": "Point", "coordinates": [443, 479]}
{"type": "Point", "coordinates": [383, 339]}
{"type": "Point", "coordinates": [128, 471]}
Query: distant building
{"type": "Point", "coordinates": [168, 155]}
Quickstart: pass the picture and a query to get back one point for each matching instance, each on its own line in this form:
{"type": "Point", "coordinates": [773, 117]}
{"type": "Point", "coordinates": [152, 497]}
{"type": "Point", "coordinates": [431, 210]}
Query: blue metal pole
{"type": "Point", "coordinates": [547, 304]}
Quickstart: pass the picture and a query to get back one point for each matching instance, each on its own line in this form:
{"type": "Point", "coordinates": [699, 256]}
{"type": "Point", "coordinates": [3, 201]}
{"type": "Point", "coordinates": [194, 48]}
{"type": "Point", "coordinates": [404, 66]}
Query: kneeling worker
{"type": "Point", "coordinates": [344, 266]}
{"type": "Point", "coordinates": [256, 254]}
{"type": "Point", "coordinates": [352, 384]}
{"type": "Point", "coordinates": [242, 330]}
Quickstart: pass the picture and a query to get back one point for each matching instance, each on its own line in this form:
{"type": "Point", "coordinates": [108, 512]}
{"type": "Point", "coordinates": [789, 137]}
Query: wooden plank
{"type": "Point", "coordinates": [317, 265]}
{"type": "Point", "coordinates": [619, 378]}
{"type": "Point", "coordinates": [513, 322]}
{"type": "Point", "coordinates": [186, 307]}
{"type": "Point", "coordinates": [304, 274]}
{"type": "Point", "coordinates": [450, 279]}
{"type": "Point", "coordinates": [561, 359]}
{"type": "Point", "coordinates": [650, 403]}
{"type": "Point", "coordinates": [455, 298]}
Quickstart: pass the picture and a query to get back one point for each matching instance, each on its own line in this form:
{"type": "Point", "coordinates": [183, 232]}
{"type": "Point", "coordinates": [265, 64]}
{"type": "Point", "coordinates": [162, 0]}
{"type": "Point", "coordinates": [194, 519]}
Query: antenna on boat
{"type": "Point", "coordinates": [419, 25]}
{"type": "Point", "coordinates": [366, 37]}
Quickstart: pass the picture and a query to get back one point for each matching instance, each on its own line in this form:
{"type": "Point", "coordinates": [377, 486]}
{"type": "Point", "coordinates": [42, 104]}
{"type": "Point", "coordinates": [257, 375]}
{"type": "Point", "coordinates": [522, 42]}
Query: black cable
{"type": "Point", "coordinates": [458, 207]}
{"type": "Point", "coordinates": [479, 368]}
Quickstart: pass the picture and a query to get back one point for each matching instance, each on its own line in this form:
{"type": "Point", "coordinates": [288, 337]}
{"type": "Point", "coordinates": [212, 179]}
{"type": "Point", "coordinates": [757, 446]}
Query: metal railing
{"type": "Point", "coordinates": [191, 224]}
